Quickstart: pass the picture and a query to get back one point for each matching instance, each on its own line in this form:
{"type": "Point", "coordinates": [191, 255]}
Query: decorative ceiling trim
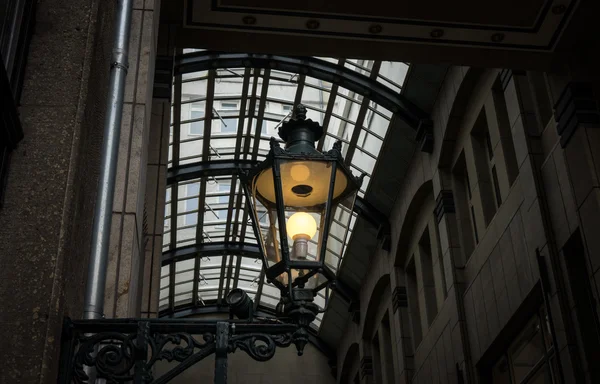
{"type": "Point", "coordinates": [541, 36]}
{"type": "Point", "coordinates": [542, 13]}
{"type": "Point", "coordinates": [309, 66]}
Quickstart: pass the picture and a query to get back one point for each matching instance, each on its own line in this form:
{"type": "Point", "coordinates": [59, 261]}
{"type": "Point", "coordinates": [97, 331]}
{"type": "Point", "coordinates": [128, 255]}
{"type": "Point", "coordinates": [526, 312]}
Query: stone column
{"type": "Point", "coordinates": [577, 114]}
{"type": "Point", "coordinates": [456, 342]}
{"type": "Point", "coordinates": [366, 363]}
{"type": "Point", "coordinates": [537, 214]}
{"type": "Point", "coordinates": [157, 163]}
{"type": "Point", "coordinates": [156, 185]}
{"type": "Point", "coordinates": [400, 329]}
{"type": "Point", "coordinates": [126, 252]}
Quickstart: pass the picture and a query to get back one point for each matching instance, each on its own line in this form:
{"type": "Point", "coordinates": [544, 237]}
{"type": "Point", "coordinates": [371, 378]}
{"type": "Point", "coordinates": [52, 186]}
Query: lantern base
{"type": "Point", "coordinates": [300, 247]}
{"type": "Point", "coordinates": [301, 308]}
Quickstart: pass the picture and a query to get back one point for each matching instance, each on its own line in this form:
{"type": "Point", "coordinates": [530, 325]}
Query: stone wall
{"type": "Point", "coordinates": [492, 282]}
{"type": "Point", "coordinates": [45, 224]}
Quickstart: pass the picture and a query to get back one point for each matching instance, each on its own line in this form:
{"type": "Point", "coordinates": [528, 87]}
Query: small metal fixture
{"type": "Point", "coordinates": [375, 29]}
{"type": "Point", "coordinates": [249, 20]}
{"type": "Point", "coordinates": [437, 33]}
{"type": "Point", "coordinates": [497, 37]}
{"type": "Point", "coordinates": [313, 24]}
{"type": "Point", "coordinates": [559, 9]}
{"type": "Point", "coordinates": [240, 304]}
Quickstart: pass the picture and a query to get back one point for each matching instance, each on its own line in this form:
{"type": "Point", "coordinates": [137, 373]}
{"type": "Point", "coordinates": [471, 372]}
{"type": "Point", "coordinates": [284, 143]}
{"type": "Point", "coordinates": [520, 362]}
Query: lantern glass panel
{"type": "Point", "coordinates": [304, 183]}
{"type": "Point", "coordinates": [265, 220]}
{"type": "Point", "coordinates": [341, 214]}
{"type": "Point", "coordinates": [313, 280]}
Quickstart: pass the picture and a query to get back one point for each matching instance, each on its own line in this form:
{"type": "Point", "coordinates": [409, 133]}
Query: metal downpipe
{"type": "Point", "coordinates": [96, 278]}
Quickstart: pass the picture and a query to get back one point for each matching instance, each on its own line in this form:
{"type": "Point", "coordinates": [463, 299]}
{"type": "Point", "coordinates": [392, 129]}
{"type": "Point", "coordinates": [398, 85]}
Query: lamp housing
{"type": "Point", "coordinates": [299, 198]}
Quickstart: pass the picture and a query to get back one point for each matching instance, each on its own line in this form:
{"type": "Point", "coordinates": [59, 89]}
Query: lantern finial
{"type": "Point", "coordinates": [300, 133]}
{"type": "Point", "coordinates": [300, 112]}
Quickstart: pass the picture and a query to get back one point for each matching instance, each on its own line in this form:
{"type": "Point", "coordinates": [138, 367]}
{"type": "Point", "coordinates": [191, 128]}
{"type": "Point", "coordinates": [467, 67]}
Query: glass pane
{"type": "Point", "coordinates": [266, 216]}
{"type": "Point", "coordinates": [528, 350]}
{"type": "Point", "coordinates": [543, 376]}
{"type": "Point", "coordinates": [501, 372]}
{"type": "Point", "coordinates": [547, 331]}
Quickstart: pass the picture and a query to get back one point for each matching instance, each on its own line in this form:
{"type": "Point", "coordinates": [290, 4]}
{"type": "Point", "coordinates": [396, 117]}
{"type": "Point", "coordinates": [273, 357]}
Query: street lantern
{"type": "Point", "coordinates": [299, 197]}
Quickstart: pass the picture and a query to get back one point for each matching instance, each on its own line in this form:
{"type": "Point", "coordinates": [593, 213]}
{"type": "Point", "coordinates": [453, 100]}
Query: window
{"type": "Point", "coordinates": [584, 303]}
{"type": "Point", "coordinates": [191, 204]}
{"type": "Point", "coordinates": [228, 124]}
{"type": "Point", "coordinates": [197, 112]}
{"type": "Point", "coordinates": [224, 189]}
{"type": "Point", "coordinates": [263, 217]}
{"type": "Point", "coordinates": [167, 221]}
{"type": "Point", "coordinates": [412, 291]}
{"type": "Point", "coordinates": [387, 354]}
{"type": "Point", "coordinates": [377, 372]}
{"type": "Point", "coordinates": [483, 156]}
{"type": "Point", "coordinates": [530, 357]}
{"type": "Point", "coordinates": [16, 19]}
{"type": "Point", "coordinates": [496, 186]}
{"type": "Point", "coordinates": [464, 206]}
{"type": "Point", "coordinates": [429, 282]}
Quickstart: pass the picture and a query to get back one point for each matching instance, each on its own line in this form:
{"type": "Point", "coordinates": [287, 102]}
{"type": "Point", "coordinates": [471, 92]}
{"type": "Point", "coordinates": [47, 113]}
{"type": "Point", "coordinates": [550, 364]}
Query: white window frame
{"type": "Point", "coordinates": [199, 108]}
{"type": "Point", "coordinates": [185, 216]}
{"type": "Point", "coordinates": [222, 108]}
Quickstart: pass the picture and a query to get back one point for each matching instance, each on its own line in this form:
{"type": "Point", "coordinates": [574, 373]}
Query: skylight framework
{"type": "Point", "coordinates": [229, 114]}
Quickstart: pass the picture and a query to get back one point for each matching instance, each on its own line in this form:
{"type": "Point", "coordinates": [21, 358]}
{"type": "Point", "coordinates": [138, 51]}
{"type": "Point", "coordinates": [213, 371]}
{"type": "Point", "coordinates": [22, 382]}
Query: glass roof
{"type": "Point", "coordinates": [230, 114]}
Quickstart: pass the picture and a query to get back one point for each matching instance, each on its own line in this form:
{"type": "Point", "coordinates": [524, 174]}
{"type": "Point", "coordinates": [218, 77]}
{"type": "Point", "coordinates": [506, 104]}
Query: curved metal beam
{"type": "Point", "coordinates": [211, 249]}
{"type": "Point", "coordinates": [310, 66]}
{"type": "Point", "coordinates": [208, 168]}
{"type": "Point", "coordinates": [231, 167]}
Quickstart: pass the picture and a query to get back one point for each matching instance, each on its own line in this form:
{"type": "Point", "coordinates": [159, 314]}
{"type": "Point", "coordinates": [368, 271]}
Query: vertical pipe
{"type": "Point", "coordinates": [96, 281]}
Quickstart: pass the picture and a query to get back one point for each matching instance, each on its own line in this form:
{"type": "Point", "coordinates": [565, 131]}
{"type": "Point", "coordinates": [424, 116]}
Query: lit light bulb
{"type": "Point", "coordinates": [301, 227]}
{"type": "Point", "coordinates": [301, 224]}
{"type": "Point", "coordinates": [300, 172]}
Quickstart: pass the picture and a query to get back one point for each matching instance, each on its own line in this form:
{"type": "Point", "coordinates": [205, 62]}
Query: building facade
{"type": "Point", "coordinates": [472, 255]}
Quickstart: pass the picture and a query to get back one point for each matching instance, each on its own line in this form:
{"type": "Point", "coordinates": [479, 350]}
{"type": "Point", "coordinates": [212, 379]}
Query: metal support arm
{"type": "Point", "coordinates": [125, 350]}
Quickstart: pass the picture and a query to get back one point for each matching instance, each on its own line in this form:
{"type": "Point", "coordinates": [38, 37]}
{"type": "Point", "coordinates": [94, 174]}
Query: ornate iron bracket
{"type": "Point", "coordinates": [126, 350]}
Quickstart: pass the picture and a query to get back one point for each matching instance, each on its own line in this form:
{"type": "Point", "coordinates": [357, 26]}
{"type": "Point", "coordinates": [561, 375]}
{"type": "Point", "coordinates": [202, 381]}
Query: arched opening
{"type": "Point", "coordinates": [350, 366]}
{"type": "Point", "coordinates": [376, 331]}
{"type": "Point", "coordinates": [419, 262]}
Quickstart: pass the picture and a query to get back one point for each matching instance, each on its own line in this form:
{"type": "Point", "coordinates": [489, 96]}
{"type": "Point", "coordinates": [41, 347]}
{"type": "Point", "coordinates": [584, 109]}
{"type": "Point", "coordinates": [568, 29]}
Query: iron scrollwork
{"type": "Point", "coordinates": [128, 351]}
{"type": "Point", "coordinates": [114, 359]}
{"type": "Point", "coordinates": [260, 346]}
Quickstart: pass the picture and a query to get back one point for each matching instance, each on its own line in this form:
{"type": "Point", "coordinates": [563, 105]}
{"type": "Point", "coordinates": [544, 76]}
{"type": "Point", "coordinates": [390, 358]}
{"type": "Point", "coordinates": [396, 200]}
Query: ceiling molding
{"type": "Point", "coordinates": [543, 25]}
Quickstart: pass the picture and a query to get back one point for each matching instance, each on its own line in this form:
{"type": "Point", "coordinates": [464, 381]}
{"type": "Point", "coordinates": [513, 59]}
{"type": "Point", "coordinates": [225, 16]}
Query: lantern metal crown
{"type": "Point", "coordinates": [299, 197]}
